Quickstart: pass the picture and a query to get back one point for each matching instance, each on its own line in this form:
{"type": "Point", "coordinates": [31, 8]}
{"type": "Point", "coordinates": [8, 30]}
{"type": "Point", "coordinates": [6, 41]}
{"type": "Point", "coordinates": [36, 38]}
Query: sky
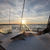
{"type": "Point", "coordinates": [35, 11]}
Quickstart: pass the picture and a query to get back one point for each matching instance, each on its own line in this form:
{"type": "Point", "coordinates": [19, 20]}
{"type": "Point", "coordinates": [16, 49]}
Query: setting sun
{"type": "Point", "coordinates": [23, 21]}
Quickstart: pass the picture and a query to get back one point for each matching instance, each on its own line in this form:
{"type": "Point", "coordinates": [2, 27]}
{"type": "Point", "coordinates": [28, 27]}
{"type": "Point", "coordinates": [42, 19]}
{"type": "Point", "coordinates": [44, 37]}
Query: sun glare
{"type": "Point", "coordinates": [23, 21]}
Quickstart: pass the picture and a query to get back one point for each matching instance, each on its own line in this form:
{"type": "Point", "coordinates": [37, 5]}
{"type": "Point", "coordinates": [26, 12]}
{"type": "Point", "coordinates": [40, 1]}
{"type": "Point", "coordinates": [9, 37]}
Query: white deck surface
{"type": "Point", "coordinates": [30, 43]}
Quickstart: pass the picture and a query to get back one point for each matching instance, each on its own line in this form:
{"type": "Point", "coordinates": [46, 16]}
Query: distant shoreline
{"type": "Point", "coordinates": [19, 24]}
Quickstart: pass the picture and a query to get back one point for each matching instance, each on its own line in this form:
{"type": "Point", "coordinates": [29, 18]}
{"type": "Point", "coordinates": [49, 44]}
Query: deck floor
{"type": "Point", "coordinates": [30, 43]}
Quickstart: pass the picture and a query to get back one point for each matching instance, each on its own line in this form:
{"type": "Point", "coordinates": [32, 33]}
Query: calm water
{"type": "Point", "coordinates": [16, 28]}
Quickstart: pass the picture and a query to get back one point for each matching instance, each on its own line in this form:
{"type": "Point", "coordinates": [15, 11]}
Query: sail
{"type": "Point", "coordinates": [48, 23]}
{"type": "Point", "coordinates": [48, 27]}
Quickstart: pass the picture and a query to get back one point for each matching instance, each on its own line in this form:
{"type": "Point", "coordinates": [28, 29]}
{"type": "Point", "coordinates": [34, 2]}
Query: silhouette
{"type": "Point", "coordinates": [48, 27]}
{"type": "Point", "coordinates": [47, 30]}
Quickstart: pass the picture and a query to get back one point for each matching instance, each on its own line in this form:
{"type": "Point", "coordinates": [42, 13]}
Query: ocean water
{"type": "Point", "coordinates": [16, 28]}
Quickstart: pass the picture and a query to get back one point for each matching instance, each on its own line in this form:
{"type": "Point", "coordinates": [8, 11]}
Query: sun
{"type": "Point", "coordinates": [23, 21]}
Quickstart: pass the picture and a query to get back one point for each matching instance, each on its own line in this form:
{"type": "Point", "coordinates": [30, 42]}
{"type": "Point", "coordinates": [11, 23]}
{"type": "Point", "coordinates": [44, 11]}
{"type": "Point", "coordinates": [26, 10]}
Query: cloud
{"type": "Point", "coordinates": [33, 9]}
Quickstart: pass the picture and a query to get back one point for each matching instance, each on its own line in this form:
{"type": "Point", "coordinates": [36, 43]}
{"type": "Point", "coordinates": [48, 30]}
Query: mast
{"type": "Point", "coordinates": [22, 14]}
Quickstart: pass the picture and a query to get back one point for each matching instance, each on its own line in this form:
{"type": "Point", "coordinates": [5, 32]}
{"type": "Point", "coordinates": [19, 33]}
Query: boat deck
{"type": "Point", "coordinates": [30, 43]}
